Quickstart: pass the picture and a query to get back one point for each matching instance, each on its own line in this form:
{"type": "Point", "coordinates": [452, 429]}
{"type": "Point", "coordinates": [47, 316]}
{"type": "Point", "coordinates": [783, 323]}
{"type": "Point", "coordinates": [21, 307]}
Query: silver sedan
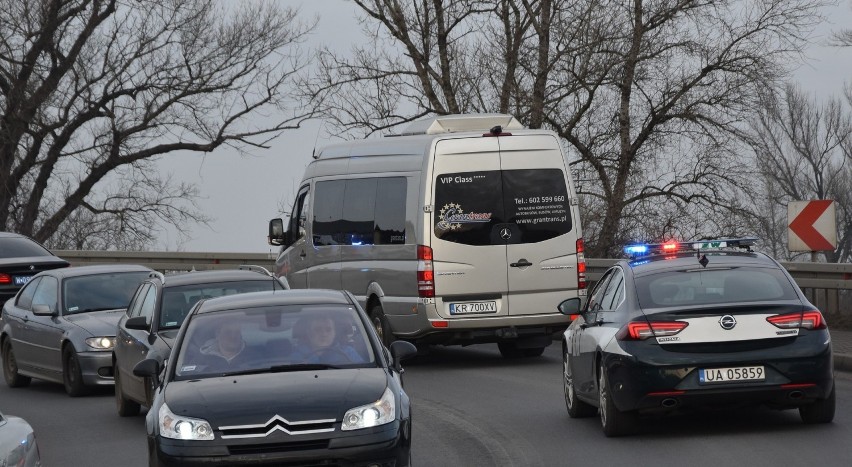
{"type": "Point", "coordinates": [61, 326]}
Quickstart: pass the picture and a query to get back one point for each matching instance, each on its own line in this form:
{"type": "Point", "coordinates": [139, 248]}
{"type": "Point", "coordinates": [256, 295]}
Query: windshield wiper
{"type": "Point", "coordinates": [283, 368]}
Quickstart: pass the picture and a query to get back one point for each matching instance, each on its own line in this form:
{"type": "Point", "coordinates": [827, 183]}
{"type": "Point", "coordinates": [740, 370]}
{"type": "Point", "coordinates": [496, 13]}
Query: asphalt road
{"type": "Point", "coordinates": [473, 408]}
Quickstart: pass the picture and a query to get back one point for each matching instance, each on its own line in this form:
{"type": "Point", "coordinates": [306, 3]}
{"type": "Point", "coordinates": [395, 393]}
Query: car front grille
{"type": "Point", "coordinates": [277, 423]}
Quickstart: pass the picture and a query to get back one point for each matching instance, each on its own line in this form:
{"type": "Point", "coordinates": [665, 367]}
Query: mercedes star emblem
{"type": "Point", "coordinates": [505, 234]}
{"type": "Point", "coordinates": [727, 322]}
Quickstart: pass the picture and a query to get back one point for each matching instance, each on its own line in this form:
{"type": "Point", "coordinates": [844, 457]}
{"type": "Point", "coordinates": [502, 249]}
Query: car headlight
{"type": "Point", "coordinates": [101, 343]}
{"type": "Point", "coordinates": [179, 427]}
{"type": "Point", "coordinates": [378, 413]}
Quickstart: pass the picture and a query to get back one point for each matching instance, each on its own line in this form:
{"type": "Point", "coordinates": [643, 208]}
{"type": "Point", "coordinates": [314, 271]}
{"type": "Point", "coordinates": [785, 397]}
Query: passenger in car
{"type": "Point", "coordinates": [317, 341]}
{"type": "Point", "coordinates": [226, 350]}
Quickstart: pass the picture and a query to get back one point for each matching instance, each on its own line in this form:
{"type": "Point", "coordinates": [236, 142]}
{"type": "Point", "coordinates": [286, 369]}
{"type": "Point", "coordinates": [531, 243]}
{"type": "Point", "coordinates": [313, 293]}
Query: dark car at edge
{"type": "Point", "coordinates": [20, 259]}
{"type": "Point", "coordinates": [709, 327]}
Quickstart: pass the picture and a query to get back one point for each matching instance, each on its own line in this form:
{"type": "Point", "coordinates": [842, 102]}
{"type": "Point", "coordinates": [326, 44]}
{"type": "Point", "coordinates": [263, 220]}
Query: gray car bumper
{"type": "Point", "coordinates": [96, 368]}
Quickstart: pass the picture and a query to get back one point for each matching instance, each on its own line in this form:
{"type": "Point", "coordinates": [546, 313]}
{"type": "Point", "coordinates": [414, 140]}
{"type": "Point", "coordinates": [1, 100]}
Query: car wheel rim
{"type": "Point", "coordinates": [10, 366]}
{"type": "Point", "coordinates": [568, 383]}
{"type": "Point", "coordinates": [72, 370]}
{"type": "Point", "coordinates": [602, 398]}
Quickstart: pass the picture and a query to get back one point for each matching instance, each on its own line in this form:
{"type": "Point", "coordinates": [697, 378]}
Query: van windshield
{"type": "Point", "coordinates": [501, 207]}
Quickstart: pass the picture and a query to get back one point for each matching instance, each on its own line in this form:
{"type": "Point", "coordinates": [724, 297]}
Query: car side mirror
{"type": "Point", "coordinates": [148, 368]}
{"type": "Point", "coordinates": [139, 323]}
{"type": "Point", "coordinates": [570, 307]}
{"type": "Point", "coordinates": [277, 236]}
{"type": "Point", "coordinates": [400, 350]}
{"type": "Point", "coordinates": [42, 310]}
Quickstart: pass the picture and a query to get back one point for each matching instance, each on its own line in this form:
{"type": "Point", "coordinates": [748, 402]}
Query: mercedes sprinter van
{"type": "Point", "coordinates": [463, 229]}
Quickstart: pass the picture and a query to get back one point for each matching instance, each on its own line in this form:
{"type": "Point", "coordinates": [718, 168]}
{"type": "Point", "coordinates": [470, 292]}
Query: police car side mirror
{"type": "Point", "coordinates": [570, 307]}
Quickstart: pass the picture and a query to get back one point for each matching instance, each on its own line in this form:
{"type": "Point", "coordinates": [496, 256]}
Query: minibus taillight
{"type": "Point", "coordinates": [581, 265]}
{"type": "Point", "coordinates": [425, 274]}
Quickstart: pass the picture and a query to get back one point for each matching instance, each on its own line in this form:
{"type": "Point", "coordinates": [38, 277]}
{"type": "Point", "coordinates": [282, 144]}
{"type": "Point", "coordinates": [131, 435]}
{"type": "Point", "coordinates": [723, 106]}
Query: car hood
{"type": "Point", "coordinates": [294, 396]}
{"type": "Point", "coordinates": [98, 323]}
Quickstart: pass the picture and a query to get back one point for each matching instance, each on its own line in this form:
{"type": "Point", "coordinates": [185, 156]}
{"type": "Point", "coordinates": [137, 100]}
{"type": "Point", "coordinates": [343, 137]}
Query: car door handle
{"type": "Point", "coordinates": [522, 263]}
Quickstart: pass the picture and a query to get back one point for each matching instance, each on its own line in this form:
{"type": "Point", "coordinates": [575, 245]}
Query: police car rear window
{"type": "Point", "coordinates": [713, 286]}
{"type": "Point", "coordinates": [473, 208]}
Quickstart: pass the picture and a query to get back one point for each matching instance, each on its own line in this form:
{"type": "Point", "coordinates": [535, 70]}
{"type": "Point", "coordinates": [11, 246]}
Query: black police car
{"type": "Point", "coordinates": [696, 324]}
{"type": "Point", "coordinates": [295, 377]}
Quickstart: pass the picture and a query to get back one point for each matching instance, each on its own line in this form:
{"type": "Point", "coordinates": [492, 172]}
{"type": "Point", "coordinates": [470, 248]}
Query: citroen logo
{"type": "Point", "coordinates": [505, 233]}
{"type": "Point", "coordinates": [727, 322]}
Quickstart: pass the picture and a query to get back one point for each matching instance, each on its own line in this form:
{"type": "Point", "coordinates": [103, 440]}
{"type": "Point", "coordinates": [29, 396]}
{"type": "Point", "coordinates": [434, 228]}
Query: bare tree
{"type": "Point", "coordinates": [93, 92]}
{"type": "Point", "coordinates": [650, 95]}
{"type": "Point", "coordinates": [802, 150]}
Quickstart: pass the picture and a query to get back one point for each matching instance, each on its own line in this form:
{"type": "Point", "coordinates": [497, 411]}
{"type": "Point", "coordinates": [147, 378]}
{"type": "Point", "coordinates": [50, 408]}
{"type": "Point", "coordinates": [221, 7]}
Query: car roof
{"type": "Point", "coordinates": [689, 259]}
{"type": "Point", "coordinates": [219, 275]}
{"type": "Point", "coordinates": [276, 298]}
{"type": "Point", "coordinates": [76, 271]}
{"type": "Point", "coordinates": [11, 235]}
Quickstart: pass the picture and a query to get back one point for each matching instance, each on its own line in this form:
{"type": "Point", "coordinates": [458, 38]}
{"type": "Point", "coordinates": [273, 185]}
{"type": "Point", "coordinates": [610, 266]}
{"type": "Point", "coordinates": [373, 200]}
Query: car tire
{"type": "Point", "coordinates": [72, 375]}
{"type": "Point", "coordinates": [821, 411]}
{"type": "Point", "coordinates": [511, 350]}
{"type": "Point", "coordinates": [381, 325]}
{"type": "Point", "coordinates": [10, 368]}
{"type": "Point", "coordinates": [124, 406]}
{"type": "Point", "coordinates": [613, 421]}
{"type": "Point", "coordinates": [576, 407]}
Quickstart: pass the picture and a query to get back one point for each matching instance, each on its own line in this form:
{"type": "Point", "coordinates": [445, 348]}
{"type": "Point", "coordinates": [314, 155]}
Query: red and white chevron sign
{"type": "Point", "coordinates": [811, 225]}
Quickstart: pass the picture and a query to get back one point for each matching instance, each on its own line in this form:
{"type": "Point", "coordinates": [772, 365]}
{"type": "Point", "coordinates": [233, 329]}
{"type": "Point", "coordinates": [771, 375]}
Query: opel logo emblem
{"type": "Point", "coordinates": [727, 322]}
{"type": "Point", "coordinates": [505, 233]}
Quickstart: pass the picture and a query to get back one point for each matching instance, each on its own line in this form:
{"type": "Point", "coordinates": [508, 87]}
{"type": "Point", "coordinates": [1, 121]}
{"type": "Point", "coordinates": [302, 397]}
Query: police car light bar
{"type": "Point", "coordinates": [646, 249]}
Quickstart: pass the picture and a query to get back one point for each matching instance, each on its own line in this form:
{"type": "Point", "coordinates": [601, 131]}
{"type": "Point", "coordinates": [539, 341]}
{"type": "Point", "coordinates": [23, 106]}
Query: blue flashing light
{"type": "Point", "coordinates": [636, 249]}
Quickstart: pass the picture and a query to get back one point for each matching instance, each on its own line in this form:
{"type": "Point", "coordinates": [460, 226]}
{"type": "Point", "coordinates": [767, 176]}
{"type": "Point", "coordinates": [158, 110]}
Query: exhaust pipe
{"type": "Point", "coordinates": [669, 402]}
{"type": "Point", "coordinates": [795, 395]}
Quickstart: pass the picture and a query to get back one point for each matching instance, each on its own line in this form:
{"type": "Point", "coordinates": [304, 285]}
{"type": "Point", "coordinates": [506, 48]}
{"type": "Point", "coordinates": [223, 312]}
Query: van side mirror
{"type": "Point", "coordinates": [570, 307]}
{"type": "Point", "coordinates": [277, 235]}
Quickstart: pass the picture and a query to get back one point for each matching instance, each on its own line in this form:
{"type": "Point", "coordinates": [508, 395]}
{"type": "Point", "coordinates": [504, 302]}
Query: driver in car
{"type": "Point", "coordinates": [317, 341]}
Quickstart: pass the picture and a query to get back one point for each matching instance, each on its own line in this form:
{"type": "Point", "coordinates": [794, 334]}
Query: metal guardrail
{"type": "Point", "coordinates": [825, 284]}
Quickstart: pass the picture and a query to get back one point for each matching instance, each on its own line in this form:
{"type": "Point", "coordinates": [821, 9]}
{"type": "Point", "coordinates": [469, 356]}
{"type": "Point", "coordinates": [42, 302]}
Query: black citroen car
{"type": "Point", "coordinates": [703, 324]}
{"type": "Point", "coordinates": [296, 377]}
{"type": "Point", "coordinates": [158, 307]}
{"type": "Point", "coordinates": [20, 259]}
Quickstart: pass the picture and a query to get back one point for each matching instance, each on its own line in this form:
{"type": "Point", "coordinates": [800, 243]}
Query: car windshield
{"type": "Point", "coordinates": [97, 292]}
{"type": "Point", "coordinates": [274, 339]}
{"type": "Point", "coordinates": [16, 247]}
{"type": "Point", "coordinates": [177, 301]}
{"type": "Point", "coordinates": [701, 286]}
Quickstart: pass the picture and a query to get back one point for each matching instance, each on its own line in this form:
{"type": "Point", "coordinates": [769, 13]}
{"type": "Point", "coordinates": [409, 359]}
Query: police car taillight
{"type": "Point", "coordinates": [425, 273]}
{"type": "Point", "coordinates": [641, 330]}
{"type": "Point", "coordinates": [581, 264]}
{"type": "Point", "coordinates": [808, 320]}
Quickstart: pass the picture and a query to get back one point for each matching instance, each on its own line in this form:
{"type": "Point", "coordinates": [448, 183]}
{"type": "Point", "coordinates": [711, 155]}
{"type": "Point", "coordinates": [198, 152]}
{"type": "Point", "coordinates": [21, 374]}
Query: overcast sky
{"type": "Point", "coordinates": [242, 193]}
